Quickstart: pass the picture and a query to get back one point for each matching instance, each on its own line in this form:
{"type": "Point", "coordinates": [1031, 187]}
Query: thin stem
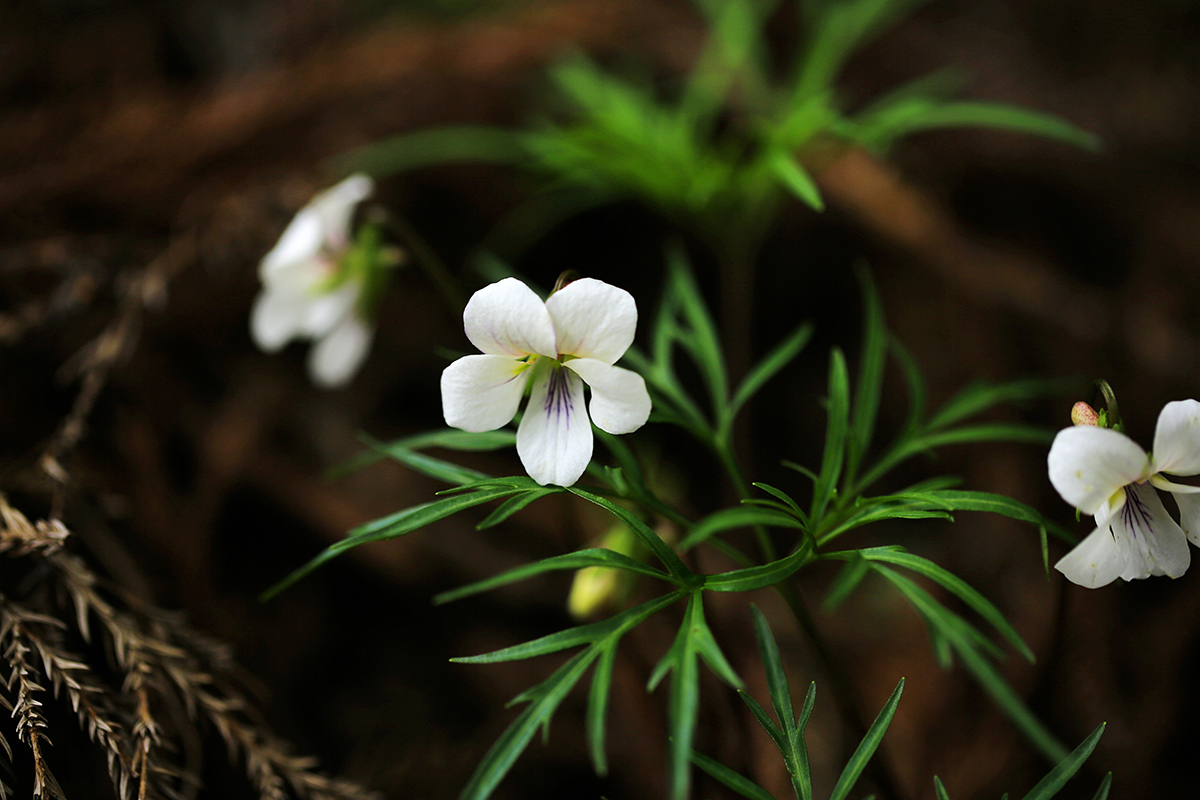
{"type": "Point", "coordinates": [429, 262]}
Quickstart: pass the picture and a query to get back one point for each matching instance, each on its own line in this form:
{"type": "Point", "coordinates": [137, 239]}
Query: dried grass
{"type": "Point", "coordinates": [159, 682]}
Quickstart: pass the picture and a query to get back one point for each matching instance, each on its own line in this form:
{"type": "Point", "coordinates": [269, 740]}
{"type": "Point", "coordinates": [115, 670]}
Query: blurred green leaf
{"type": "Point", "coordinates": [1105, 787]}
{"type": "Point", "coordinates": [796, 179]}
{"type": "Point", "coordinates": [433, 147]}
{"type": "Point", "coordinates": [939, 790]}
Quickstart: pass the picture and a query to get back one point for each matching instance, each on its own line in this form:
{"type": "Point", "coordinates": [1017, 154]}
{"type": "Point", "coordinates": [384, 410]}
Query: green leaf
{"type": "Point", "coordinates": [864, 751]}
{"type": "Point", "coordinates": [835, 435]}
{"type": "Point", "coordinates": [777, 683]}
{"type": "Point", "coordinates": [761, 575]}
{"type": "Point", "coordinates": [613, 627]}
{"type": "Point", "coordinates": [779, 357]}
{"type": "Point", "coordinates": [436, 468]}
{"type": "Point", "coordinates": [434, 146]}
{"type": "Point", "coordinates": [1048, 786]}
{"type": "Point", "coordinates": [802, 780]}
{"type": "Point", "coordinates": [768, 724]}
{"type": "Point", "coordinates": [953, 629]}
{"type": "Point", "coordinates": [743, 786]}
{"type": "Point", "coordinates": [1105, 787]}
{"type": "Point", "coordinates": [679, 571]}
{"type": "Point", "coordinates": [846, 582]}
{"type": "Point", "coordinates": [581, 559]}
{"type": "Point", "coordinates": [683, 704]}
{"type": "Point", "coordinates": [795, 179]}
{"type": "Point", "coordinates": [702, 340]}
{"type": "Point", "coordinates": [979, 397]}
{"type": "Point", "coordinates": [543, 700]}
{"type": "Point", "coordinates": [939, 790]}
{"type": "Point", "coordinates": [967, 113]}
{"type": "Point", "coordinates": [917, 390]}
{"type": "Point", "coordinates": [956, 586]}
{"type": "Point", "coordinates": [734, 518]}
{"type": "Point", "coordinates": [392, 526]}
{"type": "Point", "coordinates": [868, 388]}
{"type": "Point", "coordinates": [514, 504]}
{"type": "Point", "coordinates": [598, 708]}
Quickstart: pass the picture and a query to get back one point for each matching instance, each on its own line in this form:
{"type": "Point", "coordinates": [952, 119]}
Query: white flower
{"type": "Point", "coordinates": [560, 344]}
{"type": "Point", "coordinates": [309, 294]}
{"type": "Point", "coordinates": [1103, 472]}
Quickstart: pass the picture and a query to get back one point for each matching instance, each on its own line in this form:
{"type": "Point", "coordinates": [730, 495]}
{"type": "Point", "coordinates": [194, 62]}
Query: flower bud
{"type": "Point", "coordinates": [1083, 414]}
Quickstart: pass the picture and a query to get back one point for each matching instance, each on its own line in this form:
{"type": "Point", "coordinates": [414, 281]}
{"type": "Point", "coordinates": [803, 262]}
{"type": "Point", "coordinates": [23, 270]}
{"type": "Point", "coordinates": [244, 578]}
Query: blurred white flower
{"type": "Point", "coordinates": [310, 290]}
{"type": "Point", "coordinates": [571, 339]}
{"type": "Point", "coordinates": [1103, 472]}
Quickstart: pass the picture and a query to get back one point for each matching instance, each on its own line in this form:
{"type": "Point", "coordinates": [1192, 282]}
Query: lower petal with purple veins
{"type": "Point", "coordinates": [554, 439]}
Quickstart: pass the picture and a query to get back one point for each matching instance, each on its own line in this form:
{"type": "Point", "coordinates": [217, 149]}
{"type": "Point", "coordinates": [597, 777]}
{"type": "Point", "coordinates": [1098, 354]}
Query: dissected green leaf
{"type": "Point", "coordinates": [394, 525]}
{"type": "Point", "coordinates": [543, 700]}
{"type": "Point", "coordinates": [514, 504]}
{"type": "Point", "coordinates": [658, 547]}
{"type": "Point", "coordinates": [597, 710]}
{"type": "Point", "coordinates": [581, 559]}
{"type": "Point", "coordinates": [613, 627]}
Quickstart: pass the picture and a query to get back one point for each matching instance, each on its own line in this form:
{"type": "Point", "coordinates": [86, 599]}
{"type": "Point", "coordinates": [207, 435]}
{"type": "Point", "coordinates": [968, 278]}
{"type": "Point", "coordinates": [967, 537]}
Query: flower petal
{"type": "Point", "coordinates": [1189, 516]}
{"type": "Point", "coordinates": [481, 393]}
{"type": "Point", "coordinates": [300, 242]}
{"type": "Point", "coordinates": [1177, 438]}
{"type": "Point", "coordinates": [554, 439]}
{"type": "Point", "coordinates": [1088, 465]}
{"type": "Point", "coordinates": [508, 319]}
{"type": "Point", "coordinates": [277, 318]}
{"type": "Point", "coordinates": [620, 402]}
{"type": "Point", "coordinates": [1156, 544]}
{"type": "Point", "coordinates": [335, 206]}
{"type": "Point", "coordinates": [1095, 562]}
{"type": "Point", "coordinates": [325, 311]}
{"type": "Point", "coordinates": [593, 319]}
{"type": "Point", "coordinates": [335, 359]}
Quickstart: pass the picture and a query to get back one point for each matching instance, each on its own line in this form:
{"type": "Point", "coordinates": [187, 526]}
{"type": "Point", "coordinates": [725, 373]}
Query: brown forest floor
{"type": "Point", "coordinates": [150, 153]}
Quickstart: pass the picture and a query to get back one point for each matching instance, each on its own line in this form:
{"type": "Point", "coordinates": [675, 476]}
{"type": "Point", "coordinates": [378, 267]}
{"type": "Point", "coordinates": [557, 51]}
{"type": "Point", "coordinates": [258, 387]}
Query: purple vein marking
{"type": "Point", "coordinates": [558, 395]}
{"type": "Point", "coordinates": [1135, 513]}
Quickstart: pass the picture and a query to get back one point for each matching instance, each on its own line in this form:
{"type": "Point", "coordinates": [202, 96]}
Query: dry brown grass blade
{"type": "Point", "coordinates": [162, 663]}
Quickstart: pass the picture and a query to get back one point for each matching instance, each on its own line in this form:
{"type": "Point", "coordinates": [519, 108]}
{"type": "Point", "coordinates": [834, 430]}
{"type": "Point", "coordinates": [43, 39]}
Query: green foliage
{"type": "Point", "coordinates": [1062, 772]}
{"type": "Point", "coordinates": [615, 136]}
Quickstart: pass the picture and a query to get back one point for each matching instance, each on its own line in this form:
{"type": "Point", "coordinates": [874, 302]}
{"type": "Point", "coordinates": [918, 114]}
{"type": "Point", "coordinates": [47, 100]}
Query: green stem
{"type": "Point", "coordinates": [429, 262]}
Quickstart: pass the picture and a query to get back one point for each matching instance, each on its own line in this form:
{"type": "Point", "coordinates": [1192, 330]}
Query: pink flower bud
{"type": "Point", "coordinates": [1083, 414]}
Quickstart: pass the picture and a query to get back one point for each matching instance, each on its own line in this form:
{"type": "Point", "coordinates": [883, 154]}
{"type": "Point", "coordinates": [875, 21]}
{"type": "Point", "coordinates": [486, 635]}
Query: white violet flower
{"type": "Point", "coordinates": [309, 290]}
{"type": "Point", "coordinates": [571, 339]}
{"type": "Point", "coordinates": [1103, 472]}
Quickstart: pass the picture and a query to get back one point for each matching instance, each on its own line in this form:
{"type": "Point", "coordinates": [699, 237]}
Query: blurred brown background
{"type": "Point", "coordinates": [151, 153]}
